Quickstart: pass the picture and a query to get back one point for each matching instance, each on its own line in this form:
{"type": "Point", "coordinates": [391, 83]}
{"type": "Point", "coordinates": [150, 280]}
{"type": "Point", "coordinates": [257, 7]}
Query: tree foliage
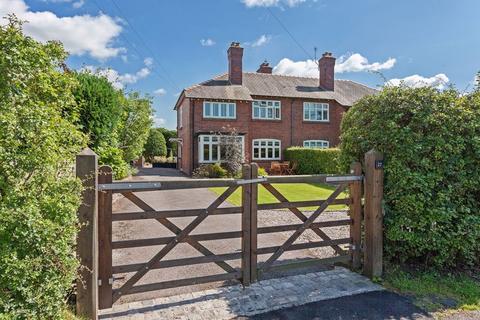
{"type": "Point", "coordinates": [431, 142]}
{"type": "Point", "coordinates": [171, 146]}
{"type": "Point", "coordinates": [135, 125]}
{"type": "Point", "coordinates": [39, 195]}
{"type": "Point", "coordinates": [155, 145]}
{"type": "Point", "coordinates": [100, 108]}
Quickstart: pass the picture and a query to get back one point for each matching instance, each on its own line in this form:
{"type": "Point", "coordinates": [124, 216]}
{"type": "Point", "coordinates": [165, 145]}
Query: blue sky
{"type": "Point", "coordinates": [160, 47]}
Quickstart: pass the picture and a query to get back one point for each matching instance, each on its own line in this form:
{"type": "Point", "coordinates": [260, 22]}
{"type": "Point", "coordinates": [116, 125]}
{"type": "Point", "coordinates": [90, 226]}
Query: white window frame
{"type": "Point", "coordinates": [324, 144]}
{"type": "Point", "coordinates": [214, 144]}
{"type": "Point", "coordinates": [316, 106]}
{"type": "Point", "coordinates": [219, 106]}
{"type": "Point", "coordinates": [266, 146]}
{"type": "Point", "coordinates": [267, 105]}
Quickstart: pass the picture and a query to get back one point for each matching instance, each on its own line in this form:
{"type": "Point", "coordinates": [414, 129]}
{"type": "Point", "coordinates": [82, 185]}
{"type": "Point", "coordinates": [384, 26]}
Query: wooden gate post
{"type": "Point", "coordinates": [373, 264]}
{"type": "Point", "coordinates": [246, 216]}
{"type": "Point", "coordinates": [355, 189]}
{"type": "Point", "coordinates": [253, 224]}
{"type": "Point", "coordinates": [105, 295]}
{"type": "Point", "coordinates": [87, 246]}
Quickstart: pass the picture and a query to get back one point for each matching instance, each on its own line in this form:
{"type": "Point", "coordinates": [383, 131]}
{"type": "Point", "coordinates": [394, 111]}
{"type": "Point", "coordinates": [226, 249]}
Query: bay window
{"type": "Point", "coordinates": [211, 148]}
{"type": "Point", "coordinates": [266, 149]}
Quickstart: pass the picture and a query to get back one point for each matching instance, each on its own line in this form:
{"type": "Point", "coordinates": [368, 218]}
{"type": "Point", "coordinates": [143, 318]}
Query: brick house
{"type": "Point", "coordinates": [269, 112]}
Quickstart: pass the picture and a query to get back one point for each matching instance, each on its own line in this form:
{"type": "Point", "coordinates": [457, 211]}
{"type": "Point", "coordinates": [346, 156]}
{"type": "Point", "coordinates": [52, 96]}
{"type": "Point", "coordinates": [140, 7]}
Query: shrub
{"type": "Point", "coordinates": [113, 157]}
{"type": "Point", "coordinates": [39, 195]}
{"type": "Point", "coordinates": [314, 161]}
{"type": "Point", "coordinates": [155, 145]}
{"type": "Point", "coordinates": [431, 142]}
{"type": "Point", "coordinates": [210, 171]}
{"type": "Point", "coordinates": [262, 172]}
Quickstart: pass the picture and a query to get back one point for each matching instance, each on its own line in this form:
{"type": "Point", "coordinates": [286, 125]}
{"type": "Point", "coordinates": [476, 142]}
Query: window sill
{"type": "Point", "coordinates": [315, 121]}
{"type": "Point", "coordinates": [269, 120]}
{"type": "Point", "coordinates": [219, 119]}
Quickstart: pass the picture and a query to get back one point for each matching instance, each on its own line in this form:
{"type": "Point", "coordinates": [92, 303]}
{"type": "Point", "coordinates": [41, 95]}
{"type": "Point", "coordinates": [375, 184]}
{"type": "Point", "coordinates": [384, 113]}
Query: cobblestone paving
{"type": "Point", "coordinates": [230, 302]}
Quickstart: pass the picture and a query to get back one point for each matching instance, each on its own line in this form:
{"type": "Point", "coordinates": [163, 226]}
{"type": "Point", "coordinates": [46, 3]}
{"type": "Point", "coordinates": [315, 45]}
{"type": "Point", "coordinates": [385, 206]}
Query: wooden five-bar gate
{"type": "Point", "coordinates": [362, 248]}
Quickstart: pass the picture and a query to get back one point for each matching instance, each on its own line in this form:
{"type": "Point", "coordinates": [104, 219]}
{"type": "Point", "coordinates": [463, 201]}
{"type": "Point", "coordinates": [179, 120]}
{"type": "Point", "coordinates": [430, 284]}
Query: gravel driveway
{"type": "Point", "coordinates": [192, 199]}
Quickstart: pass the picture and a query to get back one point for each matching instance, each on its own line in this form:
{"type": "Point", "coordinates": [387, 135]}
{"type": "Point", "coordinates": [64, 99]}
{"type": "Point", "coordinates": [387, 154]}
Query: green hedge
{"type": "Point", "coordinates": [314, 161]}
{"type": "Point", "coordinates": [431, 142]}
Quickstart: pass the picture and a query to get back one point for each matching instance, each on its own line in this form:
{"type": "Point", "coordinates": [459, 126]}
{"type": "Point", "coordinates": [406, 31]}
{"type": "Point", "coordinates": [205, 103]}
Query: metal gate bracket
{"type": "Point", "coordinates": [247, 181]}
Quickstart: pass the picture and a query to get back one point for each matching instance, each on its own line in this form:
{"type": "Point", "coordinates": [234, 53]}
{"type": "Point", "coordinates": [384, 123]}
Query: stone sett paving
{"type": "Point", "coordinates": [233, 301]}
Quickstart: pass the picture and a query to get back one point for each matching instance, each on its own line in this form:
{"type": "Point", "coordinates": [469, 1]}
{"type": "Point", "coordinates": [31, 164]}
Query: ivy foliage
{"type": "Point", "coordinates": [431, 142]}
{"type": "Point", "coordinates": [155, 145]}
{"type": "Point", "coordinates": [39, 194]}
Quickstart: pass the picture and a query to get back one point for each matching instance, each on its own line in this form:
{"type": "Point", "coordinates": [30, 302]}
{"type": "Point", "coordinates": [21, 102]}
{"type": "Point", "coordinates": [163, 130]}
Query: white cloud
{"type": "Point", "coordinates": [308, 68]}
{"type": "Point", "coordinates": [356, 63]}
{"type": "Point", "coordinates": [438, 81]}
{"type": "Point", "coordinates": [80, 34]}
{"type": "Point", "coordinates": [78, 4]}
{"type": "Point", "coordinates": [264, 39]}
{"type": "Point", "coordinates": [158, 122]}
{"type": "Point", "coordinates": [160, 92]}
{"type": "Point", "coordinates": [148, 61]}
{"type": "Point", "coordinates": [117, 79]}
{"type": "Point", "coordinates": [207, 42]}
{"type": "Point", "coordinates": [271, 3]}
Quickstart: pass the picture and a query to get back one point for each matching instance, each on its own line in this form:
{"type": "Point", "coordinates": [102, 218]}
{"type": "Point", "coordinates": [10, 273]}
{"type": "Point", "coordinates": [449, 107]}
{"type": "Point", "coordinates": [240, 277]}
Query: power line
{"type": "Point", "coordinates": [291, 35]}
{"type": "Point", "coordinates": [145, 44]}
{"type": "Point", "coordinates": [132, 45]}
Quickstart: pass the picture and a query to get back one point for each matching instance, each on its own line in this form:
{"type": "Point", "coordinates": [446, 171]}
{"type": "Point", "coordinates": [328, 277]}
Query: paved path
{"type": "Point", "coordinates": [190, 199]}
{"type": "Point", "coordinates": [261, 297]}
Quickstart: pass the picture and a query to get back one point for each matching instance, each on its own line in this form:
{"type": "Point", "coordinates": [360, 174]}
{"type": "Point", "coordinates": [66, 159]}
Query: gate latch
{"type": "Point", "coordinates": [248, 181]}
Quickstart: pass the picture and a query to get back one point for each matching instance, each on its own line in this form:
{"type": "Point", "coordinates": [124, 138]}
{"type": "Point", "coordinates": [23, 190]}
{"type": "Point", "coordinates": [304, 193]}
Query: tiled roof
{"type": "Point", "coordinates": [260, 84]}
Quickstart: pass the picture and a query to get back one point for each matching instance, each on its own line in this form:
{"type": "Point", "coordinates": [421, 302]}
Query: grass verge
{"type": "Point", "coordinates": [434, 291]}
{"type": "Point", "coordinates": [291, 191]}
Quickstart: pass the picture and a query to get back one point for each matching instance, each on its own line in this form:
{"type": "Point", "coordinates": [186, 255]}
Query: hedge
{"type": "Point", "coordinates": [314, 161]}
{"type": "Point", "coordinates": [431, 142]}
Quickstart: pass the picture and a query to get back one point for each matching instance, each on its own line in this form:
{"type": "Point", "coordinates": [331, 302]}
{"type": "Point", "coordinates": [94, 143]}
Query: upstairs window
{"type": "Point", "coordinates": [313, 111]}
{"type": "Point", "coordinates": [220, 110]}
{"type": "Point", "coordinates": [266, 149]}
{"type": "Point", "coordinates": [316, 144]}
{"type": "Point", "coordinates": [266, 109]}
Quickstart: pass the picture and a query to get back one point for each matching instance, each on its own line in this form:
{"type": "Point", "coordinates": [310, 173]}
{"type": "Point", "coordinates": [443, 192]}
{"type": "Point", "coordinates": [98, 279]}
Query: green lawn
{"type": "Point", "coordinates": [435, 291]}
{"type": "Point", "coordinates": [291, 191]}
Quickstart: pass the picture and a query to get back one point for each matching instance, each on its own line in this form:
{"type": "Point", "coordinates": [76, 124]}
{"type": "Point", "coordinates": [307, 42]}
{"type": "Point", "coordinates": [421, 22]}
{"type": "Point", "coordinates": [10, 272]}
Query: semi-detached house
{"type": "Point", "coordinates": [269, 112]}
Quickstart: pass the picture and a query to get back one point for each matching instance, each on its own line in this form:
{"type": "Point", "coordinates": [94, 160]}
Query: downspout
{"type": "Point", "coordinates": [192, 128]}
{"type": "Point", "coordinates": [291, 122]}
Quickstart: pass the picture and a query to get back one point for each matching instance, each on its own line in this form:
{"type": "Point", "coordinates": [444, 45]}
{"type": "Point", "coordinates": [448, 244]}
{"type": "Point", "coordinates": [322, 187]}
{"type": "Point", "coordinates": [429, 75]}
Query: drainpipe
{"type": "Point", "coordinates": [291, 122]}
{"type": "Point", "coordinates": [192, 128]}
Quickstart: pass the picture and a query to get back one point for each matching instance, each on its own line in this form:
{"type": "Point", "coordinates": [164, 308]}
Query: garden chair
{"type": "Point", "coordinates": [275, 168]}
{"type": "Point", "coordinates": [291, 169]}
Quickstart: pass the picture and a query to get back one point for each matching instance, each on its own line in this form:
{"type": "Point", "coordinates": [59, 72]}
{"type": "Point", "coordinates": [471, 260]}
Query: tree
{"type": "Point", "coordinates": [432, 155]}
{"type": "Point", "coordinates": [231, 151]}
{"type": "Point", "coordinates": [135, 125]}
{"type": "Point", "coordinates": [39, 195]}
{"type": "Point", "coordinates": [168, 134]}
{"type": "Point", "coordinates": [100, 108]}
{"type": "Point", "coordinates": [155, 145]}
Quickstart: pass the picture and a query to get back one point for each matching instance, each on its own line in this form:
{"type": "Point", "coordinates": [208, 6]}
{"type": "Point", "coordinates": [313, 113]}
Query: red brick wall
{"type": "Point", "coordinates": [291, 130]}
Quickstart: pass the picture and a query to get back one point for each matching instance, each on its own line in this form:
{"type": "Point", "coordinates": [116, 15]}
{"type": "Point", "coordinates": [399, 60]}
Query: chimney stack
{"type": "Point", "coordinates": [235, 54]}
{"type": "Point", "coordinates": [326, 66]}
{"type": "Point", "coordinates": [265, 68]}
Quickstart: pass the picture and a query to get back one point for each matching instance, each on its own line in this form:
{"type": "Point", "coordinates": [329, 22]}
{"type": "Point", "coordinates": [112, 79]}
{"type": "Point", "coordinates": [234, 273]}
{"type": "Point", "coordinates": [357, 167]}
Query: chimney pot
{"type": "Point", "coordinates": [235, 69]}
{"type": "Point", "coordinates": [265, 68]}
{"type": "Point", "coordinates": [326, 66]}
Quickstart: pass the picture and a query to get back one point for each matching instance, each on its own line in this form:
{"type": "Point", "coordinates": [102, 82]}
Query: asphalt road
{"type": "Point", "coordinates": [377, 305]}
